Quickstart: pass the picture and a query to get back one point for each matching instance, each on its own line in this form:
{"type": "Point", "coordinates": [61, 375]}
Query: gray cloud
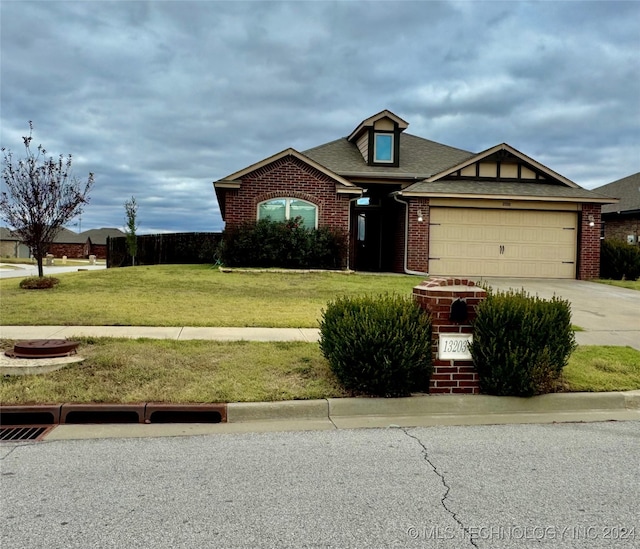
{"type": "Point", "coordinates": [159, 99]}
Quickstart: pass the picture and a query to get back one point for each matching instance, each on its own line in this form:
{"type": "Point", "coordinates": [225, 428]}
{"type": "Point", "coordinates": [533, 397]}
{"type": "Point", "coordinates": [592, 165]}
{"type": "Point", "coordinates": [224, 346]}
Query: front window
{"type": "Point", "coordinates": [282, 209]}
{"type": "Point", "coordinates": [383, 147]}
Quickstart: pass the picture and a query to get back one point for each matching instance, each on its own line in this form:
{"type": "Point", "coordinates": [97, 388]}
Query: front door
{"type": "Point", "coordinates": [368, 242]}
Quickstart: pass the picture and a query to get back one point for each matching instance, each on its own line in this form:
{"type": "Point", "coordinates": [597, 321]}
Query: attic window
{"type": "Point", "coordinates": [383, 147]}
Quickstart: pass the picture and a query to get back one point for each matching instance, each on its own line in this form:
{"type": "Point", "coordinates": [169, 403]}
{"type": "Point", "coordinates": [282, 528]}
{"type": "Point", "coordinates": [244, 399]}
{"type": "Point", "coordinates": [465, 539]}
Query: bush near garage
{"type": "Point", "coordinates": [378, 345]}
{"type": "Point", "coordinates": [619, 260]}
{"type": "Point", "coordinates": [287, 244]}
{"type": "Point", "coordinates": [521, 343]}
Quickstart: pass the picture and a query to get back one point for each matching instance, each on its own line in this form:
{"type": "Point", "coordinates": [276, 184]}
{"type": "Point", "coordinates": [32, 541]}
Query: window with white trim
{"type": "Point", "coordinates": [282, 209]}
{"type": "Point", "coordinates": [383, 147]}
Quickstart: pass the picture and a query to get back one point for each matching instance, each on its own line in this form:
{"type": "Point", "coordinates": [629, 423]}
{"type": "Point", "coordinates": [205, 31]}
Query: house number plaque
{"type": "Point", "coordinates": [454, 346]}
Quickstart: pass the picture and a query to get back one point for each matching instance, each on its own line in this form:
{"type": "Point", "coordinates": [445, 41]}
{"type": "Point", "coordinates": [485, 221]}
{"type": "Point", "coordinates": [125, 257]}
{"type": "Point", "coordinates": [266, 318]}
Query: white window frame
{"type": "Point", "coordinates": [287, 207]}
{"type": "Point", "coordinates": [375, 148]}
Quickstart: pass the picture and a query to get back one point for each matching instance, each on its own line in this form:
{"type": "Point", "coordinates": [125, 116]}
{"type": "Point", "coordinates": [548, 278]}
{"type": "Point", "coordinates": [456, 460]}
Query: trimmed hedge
{"type": "Point", "coordinates": [619, 260]}
{"type": "Point", "coordinates": [521, 343]}
{"type": "Point", "coordinates": [286, 244]}
{"type": "Point", "coordinates": [378, 345]}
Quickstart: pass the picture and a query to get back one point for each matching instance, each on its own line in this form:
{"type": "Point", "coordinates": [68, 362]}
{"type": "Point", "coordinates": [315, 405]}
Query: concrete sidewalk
{"type": "Point", "coordinates": [177, 333]}
{"type": "Point", "coordinates": [629, 338]}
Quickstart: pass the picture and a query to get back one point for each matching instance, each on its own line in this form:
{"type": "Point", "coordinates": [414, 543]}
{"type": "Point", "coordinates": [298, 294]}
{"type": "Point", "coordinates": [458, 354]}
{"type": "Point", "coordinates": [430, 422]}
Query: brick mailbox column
{"type": "Point", "coordinates": [453, 370]}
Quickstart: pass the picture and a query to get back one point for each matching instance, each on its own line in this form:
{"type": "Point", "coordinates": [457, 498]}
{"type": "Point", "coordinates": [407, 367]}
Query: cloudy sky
{"type": "Point", "coordinates": [159, 99]}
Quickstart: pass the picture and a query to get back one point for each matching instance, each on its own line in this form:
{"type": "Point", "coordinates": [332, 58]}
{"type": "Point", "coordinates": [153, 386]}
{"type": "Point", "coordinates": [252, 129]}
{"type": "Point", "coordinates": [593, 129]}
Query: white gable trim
{"type": "Point", "coordinates": [514, 152]}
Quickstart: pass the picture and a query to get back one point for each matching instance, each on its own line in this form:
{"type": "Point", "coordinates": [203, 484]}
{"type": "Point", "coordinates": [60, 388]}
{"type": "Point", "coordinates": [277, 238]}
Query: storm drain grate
{"type": "Point", "coordinates": [24, 432]}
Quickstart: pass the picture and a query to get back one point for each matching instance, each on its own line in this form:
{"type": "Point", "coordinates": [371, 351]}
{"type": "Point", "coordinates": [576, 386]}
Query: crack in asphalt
{"type": "Point", "coordinates": [17, 445]}
{"type": "Point", "coordinates": [447, 488]}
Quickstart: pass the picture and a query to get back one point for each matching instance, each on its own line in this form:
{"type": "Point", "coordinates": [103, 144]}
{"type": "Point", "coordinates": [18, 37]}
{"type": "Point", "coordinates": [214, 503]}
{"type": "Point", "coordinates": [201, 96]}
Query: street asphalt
{"type": "Point", "coordinates": [560, 486]}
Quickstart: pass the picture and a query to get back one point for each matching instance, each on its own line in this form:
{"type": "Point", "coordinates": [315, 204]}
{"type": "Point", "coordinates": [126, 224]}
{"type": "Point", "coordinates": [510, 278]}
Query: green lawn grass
{"type": "Point", "coordinates": [188, 295]}
{"type": "Point", "coordinates": [145, 370]}
{"type": "Point", "coordinates": [602, 368]}
{"type": "Point", "coordinates": [630, 284]}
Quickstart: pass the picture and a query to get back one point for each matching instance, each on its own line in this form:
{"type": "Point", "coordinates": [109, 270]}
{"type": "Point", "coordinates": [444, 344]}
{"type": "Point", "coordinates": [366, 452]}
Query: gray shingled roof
{"type": "Point", "coordinates": [627, 190]}
{"type": "Point", "coordinates": [499, 188]}
{"type": "Point", "coordinates": [65, 236]}
{"type": "Point", "coordinates": [99, 236]}
{"type": "Point", "coordinates": [7, 234]}
{"type": "Point", "coordinates": [419, 158]}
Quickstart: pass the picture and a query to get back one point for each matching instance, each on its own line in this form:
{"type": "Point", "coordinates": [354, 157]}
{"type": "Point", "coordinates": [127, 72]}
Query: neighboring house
{"type": "Point", "coordinates": [412, 205]}
{"type": "Point", "coordinates": [98, 240]}
{"type": "Point", "coordinates": [73, 245]}
{"type": "Point", "coordinates": [622, 220]}
{"type": "Point", "coordinates": [11, 246]}
{"type": "Point", "coordinates": [70, 244]}
{"type": "Point", "coordinates": [82, 245]}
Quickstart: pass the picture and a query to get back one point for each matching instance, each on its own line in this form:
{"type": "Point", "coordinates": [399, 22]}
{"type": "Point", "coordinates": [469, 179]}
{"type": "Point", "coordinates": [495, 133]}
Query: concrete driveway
{"type": "Point", "coordinates": [608, 315]}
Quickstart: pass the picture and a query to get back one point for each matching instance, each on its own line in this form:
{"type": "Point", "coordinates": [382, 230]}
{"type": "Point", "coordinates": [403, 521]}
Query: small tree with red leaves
{"type": "Point", "coordinates": [40, 195]}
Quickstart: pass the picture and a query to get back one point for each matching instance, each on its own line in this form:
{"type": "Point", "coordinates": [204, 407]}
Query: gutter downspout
{"type": "Point", "coordinates": [406, 238]}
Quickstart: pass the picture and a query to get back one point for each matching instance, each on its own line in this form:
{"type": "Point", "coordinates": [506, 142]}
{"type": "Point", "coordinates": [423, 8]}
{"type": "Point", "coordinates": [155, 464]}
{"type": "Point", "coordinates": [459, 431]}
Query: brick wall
{"type": "Point", "coordinates": [288, 177]}
{"type": "Point", "coordinates": [418, 252]}
{"type": "Point", "coordinates": [436, 296]}
{"type": "Point", "coordinates": [75, 251]}
{"type": "Point", "coordinates": [589, 242]}
{"type": "Point", "coordinates": [619, 226]}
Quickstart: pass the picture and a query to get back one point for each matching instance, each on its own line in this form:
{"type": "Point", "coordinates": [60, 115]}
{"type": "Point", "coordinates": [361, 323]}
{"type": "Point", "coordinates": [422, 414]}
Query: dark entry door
{"type": "Point", "coordinates": [368, 242]}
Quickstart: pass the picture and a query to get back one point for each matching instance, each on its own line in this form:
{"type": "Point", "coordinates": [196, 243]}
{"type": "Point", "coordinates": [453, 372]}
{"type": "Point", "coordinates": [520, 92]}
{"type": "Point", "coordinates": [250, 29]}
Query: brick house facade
{"type": "Point", "coordinates": [621, 221]}
{"type": "Point", "coordinates": [420, 207]}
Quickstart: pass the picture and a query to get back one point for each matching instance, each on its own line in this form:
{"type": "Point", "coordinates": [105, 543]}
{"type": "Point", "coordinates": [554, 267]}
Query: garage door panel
{"type": "Point", "coordinates": [517, 243]}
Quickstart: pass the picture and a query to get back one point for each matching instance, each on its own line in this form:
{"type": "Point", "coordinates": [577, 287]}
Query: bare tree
{"type": "Point", "coordinates": [131, 212]}
{"type": "Point", "coordinates": [40, 196]}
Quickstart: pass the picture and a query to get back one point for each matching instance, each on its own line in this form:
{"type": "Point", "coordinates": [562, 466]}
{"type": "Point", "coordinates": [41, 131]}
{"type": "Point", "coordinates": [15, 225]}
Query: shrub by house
{"type": "Point", "coordinates": [287, 244]}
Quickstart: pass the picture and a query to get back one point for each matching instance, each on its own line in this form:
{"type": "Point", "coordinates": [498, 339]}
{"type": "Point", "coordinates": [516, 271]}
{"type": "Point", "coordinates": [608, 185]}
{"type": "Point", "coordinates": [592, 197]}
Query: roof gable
{"type": "Point", "coordinates": [503, 172]}
{"type": "Point", "coordinates": [510, 156]}
{"type": "Point", "coordinates": [233, 180]}
{"type": "Point", "coordinates": [376, 118]}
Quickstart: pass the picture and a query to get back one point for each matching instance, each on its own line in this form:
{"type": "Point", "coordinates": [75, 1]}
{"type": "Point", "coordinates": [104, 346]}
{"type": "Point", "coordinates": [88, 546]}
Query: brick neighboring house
{"type": "Point", "coordinates": [621, 221]}
{"type": "Point", "coordinates": [84, 244]}
{"type": "Point", "coordinates": [416, 206]}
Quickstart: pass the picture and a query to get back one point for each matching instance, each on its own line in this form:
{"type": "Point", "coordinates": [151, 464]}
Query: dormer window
{"type": "Point", "coordinates": [383, 147]}
{"type": "Point", "coordinates": [378, 139]}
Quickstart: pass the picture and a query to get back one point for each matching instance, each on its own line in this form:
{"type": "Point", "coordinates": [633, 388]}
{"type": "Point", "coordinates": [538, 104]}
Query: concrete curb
{"type": "Point", "coordinates": [358, 413]}
{"type": "Point", "coordinates": [240, 412]}
{"type": "Point", "coordinates": [336, 409]}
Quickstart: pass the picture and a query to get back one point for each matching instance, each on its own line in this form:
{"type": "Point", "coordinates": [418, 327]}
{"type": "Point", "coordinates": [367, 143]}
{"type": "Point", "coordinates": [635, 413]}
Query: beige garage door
{"type": "Point", "coordinates": [516, 243]}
